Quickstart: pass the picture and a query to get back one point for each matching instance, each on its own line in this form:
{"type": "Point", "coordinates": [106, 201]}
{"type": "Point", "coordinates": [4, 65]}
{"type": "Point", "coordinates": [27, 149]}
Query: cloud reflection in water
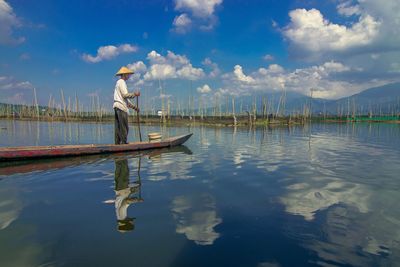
{"type": "Point", "coordinates": [196, 218]}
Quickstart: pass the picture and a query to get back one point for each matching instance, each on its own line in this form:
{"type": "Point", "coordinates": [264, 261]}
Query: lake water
{"type": "Point", "coordinates": [325, 195]}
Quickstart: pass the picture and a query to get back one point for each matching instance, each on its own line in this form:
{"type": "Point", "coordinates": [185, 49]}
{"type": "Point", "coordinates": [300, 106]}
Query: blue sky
{"type": "Point", "coordinates": [207, 47]}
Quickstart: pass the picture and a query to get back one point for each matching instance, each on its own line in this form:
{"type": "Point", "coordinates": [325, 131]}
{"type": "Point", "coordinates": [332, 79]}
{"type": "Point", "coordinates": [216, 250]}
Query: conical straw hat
{"type": "Point", "coordinates": [124, 70]}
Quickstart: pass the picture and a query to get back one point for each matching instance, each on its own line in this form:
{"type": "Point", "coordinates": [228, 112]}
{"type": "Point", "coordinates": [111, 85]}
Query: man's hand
{"type": "Point", "coordinates": [137, 93]}
{"type": "Point", "coordinates": [133, 107]}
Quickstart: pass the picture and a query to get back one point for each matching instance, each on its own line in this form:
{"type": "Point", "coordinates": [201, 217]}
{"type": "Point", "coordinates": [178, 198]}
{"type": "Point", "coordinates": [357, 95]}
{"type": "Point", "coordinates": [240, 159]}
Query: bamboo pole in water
{"type": "Point", "coordinates": [64, 105]}
{"type": "Point", "coordinates": [36, 103]}
{"type": "Point", "coordinates": [69, 106]}
{"type": "Point", "coordinates": [233, 111]}
{"type": "Point", "coordinates": [76, 105]}
{"type": "Point", "coordinates": [49, 106]}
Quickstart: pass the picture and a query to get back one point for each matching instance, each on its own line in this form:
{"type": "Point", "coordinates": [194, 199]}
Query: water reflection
{"type": "Point", "coordinates": [10, 206]}
{"type": "Point", "coordinates": [126, 193]}
{"type": "Point", "coordinates": [175, 165]}
{"type": "Point", "coordinates": [325, 194]}
{"type": "Point", "coordinates": [196, 217]}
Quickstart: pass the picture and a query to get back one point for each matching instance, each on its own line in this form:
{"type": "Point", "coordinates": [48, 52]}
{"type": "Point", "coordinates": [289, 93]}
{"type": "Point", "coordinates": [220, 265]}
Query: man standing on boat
{"type": "Point", "coordinates": [121, 105]}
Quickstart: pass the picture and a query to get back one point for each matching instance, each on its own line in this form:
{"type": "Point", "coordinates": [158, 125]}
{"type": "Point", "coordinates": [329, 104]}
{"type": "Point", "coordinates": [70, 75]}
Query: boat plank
{"type": "Point", "coordinates": [18, 153]}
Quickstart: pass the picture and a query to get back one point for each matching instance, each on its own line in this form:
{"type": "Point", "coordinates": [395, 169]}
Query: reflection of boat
{"type": "Point", "coordinates": [8, 168]}
{"type": "Point", "coordinates": [34, 152]}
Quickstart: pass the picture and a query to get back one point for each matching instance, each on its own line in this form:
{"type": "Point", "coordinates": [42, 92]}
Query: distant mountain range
{"type": "Point", "coordinates": [382, 99]}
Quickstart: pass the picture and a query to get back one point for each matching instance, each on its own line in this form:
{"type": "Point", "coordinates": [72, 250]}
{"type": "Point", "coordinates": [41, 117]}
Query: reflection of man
{"type": "Point", "coordinates": [123, 192]}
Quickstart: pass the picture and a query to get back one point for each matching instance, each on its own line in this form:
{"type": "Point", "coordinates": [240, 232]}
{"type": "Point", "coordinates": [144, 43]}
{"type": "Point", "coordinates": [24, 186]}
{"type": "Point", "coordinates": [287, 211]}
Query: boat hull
{"type": "Point", "coordinates": [36, 152]}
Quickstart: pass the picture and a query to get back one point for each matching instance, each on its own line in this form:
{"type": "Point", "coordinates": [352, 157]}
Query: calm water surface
{"type": "Point", "coordinates": [326, 195]}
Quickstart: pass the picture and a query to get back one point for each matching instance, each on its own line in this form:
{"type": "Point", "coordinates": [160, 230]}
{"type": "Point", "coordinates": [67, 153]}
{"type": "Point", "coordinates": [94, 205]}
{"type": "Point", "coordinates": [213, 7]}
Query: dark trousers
{"type": "Point", "coordinates": [121, 127]}
{"type": "Point", "coordinates": [121, 174]}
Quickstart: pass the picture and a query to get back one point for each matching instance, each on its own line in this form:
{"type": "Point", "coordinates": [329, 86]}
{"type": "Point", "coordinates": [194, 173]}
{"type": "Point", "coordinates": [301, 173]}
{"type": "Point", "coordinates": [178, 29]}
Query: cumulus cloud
{"type": "Point", "coordinates": [368, 36]}
{"type": "Point", "coordinates": [155, 58]}
{"type": "Point", "coordinates": [160, 71]}
{"type": "Point", "coordinates": [310, 31]}
{"type": "Point", "coordinates": [199, 8]}
{"type": "Point", "coordinates": [8, 22]}
{"type": "Point", "coordinates": [388, 15]}
{"type": "Point", "coordinates": [182, 23]}
{"type": "Point", "coordinates": [205, 89]}
{"type": "Point", "coordinates": [241, 77]}
{"type": "Point", "coordinates": [137, 67]}
{"type": "Point", "coordinates": [199, 12]}
{"type": "Point", "coordinates": [190, 73]}
{"type": "Point", "coordinates": [215, 71]}
{"type": "Point", "coordinates": [325, 78]}
{"type": "Point", "coordinates": [171, 66]}
{"type": "Point", "coordinates": [369, 27]}
{"type": "Point", "coordinates": [109, 52]}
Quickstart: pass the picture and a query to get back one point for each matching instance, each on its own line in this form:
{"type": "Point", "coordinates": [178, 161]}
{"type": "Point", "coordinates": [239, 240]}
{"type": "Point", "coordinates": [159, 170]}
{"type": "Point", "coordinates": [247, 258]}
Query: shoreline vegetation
{"type": "Point", "coordinates": [216, 116]}
{"type": "Point", "coordinates": [222, 120]}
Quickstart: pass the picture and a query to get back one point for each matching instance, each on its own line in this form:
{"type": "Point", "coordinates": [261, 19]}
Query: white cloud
{"type": "Point", "coordinates": [177, 60]}
{"type": "Point", "coordinates": [160, 71]}
{"type": "Point", "coordinates": [209, 24]}
{"type": "Point", "coordinates": [127, 48]}
{"type": "Point", "coordinates": [241, 77]}
{"type": "Point", "coordinates": [310, 31]}
{"type": "Point", "coordinates": [171, 66]}
{"type": "Point", "coordinates": [182, 23]}
{"type": "Point", "coordinates": [196, 12]}
{"type": "Point", "coordinates": [324, 77]}
{"type": "Point", "coordinates": [109, 52]}
{"type": "Point", "coordinates": [155, 58]}
{"type": "Point", "coordinates": [268, 57]}
{"type": "Point", "coordinates": [10, 83]}
{"type": "Point", "coordinates": [137, 67]}
{"type": "Point", "coordinates": [334, 67]}
{"type": "Point", "coordinates": [199, 8]}
{"type": "Point", "coordinates": [190, 73]}
{"type": "Point", "coordinates": [8, 21]}
{"type": "Point", "coordinates": [215, 71]}
{"type": "Point", "coordinates": [205, 89]}
{"type": "Point", "coordinates": [348, 9]}
{"type": "Point", "coordinates": [368, 36]}
{"type": "Point", "coordinates": [273, 68]}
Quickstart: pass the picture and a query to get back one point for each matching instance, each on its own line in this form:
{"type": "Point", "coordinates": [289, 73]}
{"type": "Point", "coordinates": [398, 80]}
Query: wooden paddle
{"type": "Point", "coordinates": [138, 118]}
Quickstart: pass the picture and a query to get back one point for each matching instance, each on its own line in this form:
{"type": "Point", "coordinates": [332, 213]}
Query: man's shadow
{"type": "Point", "coordinates": [126, 193]}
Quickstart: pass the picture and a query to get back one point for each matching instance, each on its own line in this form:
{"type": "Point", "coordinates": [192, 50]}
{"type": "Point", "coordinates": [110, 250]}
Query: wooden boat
{"type": "Point", "coordinates": [36, 152]}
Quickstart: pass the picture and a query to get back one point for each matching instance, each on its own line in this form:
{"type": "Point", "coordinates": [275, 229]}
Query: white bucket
{"type": "Point", "coordinates": [154, 137]}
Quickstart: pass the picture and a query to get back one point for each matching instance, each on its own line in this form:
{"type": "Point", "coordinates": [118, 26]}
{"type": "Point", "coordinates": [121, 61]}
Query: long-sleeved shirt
{"type": "Point", "coordinates": [121, 95]}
